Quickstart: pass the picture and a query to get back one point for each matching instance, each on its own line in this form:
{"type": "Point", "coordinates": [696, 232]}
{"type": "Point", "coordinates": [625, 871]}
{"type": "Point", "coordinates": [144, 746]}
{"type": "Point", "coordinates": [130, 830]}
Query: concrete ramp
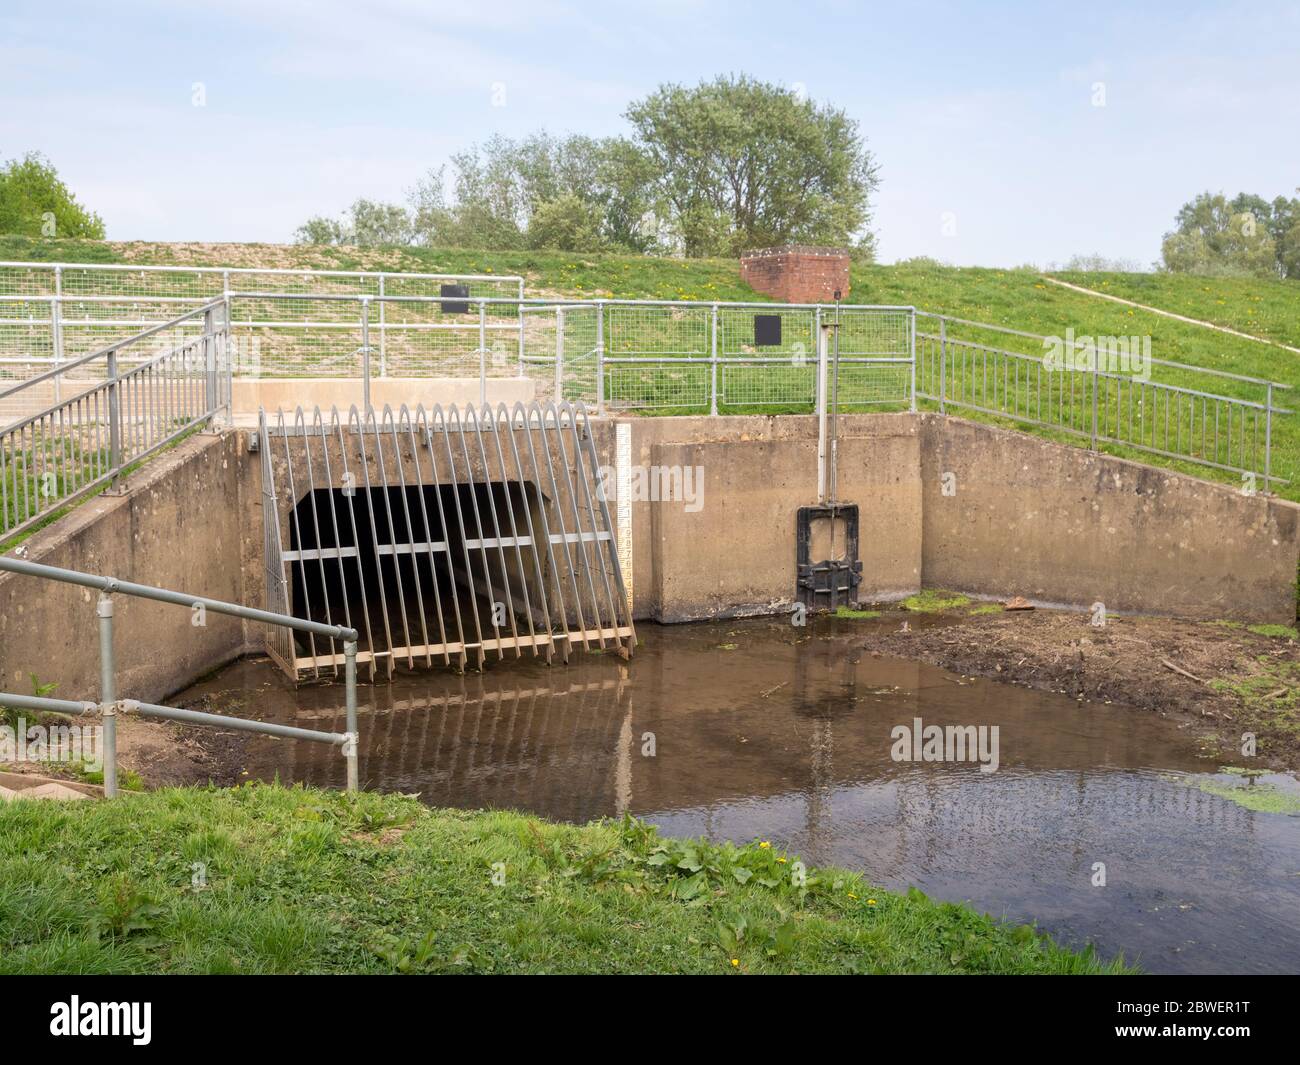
{"type": "Point", "coordinates": [452, 537]}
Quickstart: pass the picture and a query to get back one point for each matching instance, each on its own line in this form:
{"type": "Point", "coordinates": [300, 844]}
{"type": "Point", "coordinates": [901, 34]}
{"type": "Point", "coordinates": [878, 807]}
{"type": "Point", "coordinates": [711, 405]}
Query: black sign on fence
{"type": "Point", "coordinates": [767, 330]}
{"type": "Point", "coordinates": [460, 306]}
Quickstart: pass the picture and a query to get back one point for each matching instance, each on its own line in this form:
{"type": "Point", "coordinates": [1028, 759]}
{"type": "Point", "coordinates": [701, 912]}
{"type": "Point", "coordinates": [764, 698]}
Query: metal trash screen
{"type": "Point", "coordinates": [446, 537]}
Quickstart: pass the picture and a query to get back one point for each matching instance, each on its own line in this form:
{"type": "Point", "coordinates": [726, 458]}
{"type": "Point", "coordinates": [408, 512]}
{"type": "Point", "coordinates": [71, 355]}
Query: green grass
{"type": "Point", "coordinates": [1269, 695]}
{"type": "Point", "coordinates": [1279, 632]}
{"type": "Point", "coordinates": [1259, 797]}
{"type": "Point", "coordinates": [931, 601]}
{"type": "Point", "coordinates": [986, 608]}
{"type": "Point", "coordinates": [859, 615]}
{"type": "Point", "coordinates": [296, 880]}
{"type": "Point", "coordinates": [1262, 308]}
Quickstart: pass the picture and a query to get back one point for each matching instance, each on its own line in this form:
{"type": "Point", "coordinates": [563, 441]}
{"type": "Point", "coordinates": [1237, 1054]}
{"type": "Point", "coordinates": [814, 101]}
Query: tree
{"type": "Point", "coordinates": [712, 170]}
{"type": "Point", "coordinates": [1244, 236]}
{"type": "Point", "coordinates": [320, 230]}
{"type": "Point", "coordinates": [35, 202]}
{"type": "Point", "coordinates": [740, 163]}
{"type": "Point", "coordinates": [566, 223]}
{"type": "Point", "coordinates": [366, 224]}
{"type": "Point", "coordinates": [503, 189]}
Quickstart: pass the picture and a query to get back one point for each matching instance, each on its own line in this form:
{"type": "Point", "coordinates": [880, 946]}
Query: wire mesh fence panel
{"type": "Point", "coordinates": [768, 383]}
{"type": "Point", "coordinates": [657, 329]}
{"type": "Point", "coordinates": [542, 351]}
{"type": "Point", "coordinates": [27, 279]}
{"type": "Point", "coordinates": [580, 370]}
{"type": "Point", "coordinates": [1106, 390]}
{"type": "Point", "coordinates": [873, 331]}
{"type": "Point", "coordinates": [670, 384]}
{"type": "Point", "coordinates": [82, 424]}
{"type": "Point", "coordinates": [863, 383]}
{"type": "Point", "coordinates": [763, 332]}
{"type": "Point", "coordinates": [74, 309]}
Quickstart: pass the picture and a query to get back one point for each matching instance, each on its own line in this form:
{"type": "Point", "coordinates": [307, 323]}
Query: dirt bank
{"type": "Point", "coordinates": [1221, 679]}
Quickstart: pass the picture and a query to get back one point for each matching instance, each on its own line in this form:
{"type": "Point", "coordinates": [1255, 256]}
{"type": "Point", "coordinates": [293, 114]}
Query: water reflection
{"type": "Point", "coordinates": [758, 730]}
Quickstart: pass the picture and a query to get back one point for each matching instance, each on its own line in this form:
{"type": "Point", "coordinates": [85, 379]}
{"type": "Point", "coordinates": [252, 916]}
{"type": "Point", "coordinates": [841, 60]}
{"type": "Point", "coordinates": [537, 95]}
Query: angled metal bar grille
{"type": "Point", "coordinates": [454, 537]}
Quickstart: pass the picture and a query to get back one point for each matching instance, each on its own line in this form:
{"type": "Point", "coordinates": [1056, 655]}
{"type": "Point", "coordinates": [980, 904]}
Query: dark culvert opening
{"type": "Point", "coordinates": [374, 565]}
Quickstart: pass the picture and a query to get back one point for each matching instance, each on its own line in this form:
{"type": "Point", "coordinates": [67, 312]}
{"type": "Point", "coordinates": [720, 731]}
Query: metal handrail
{"type": "Point", "coordinates": [81, 360]}
{"type": "Point", "coordinates": [1113, 376]}
{"type": "Point", "coordinates": [109, 705]}
{"type": "Point", "coordinates": [1038, 336]}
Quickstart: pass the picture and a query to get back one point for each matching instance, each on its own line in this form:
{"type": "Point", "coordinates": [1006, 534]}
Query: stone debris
{"type": "Point", "coordinates": [49, 790]}
{"type": "Point", "coordinates": [54, 791]}
{"type": "Point", "coordinates": [1017, 603]}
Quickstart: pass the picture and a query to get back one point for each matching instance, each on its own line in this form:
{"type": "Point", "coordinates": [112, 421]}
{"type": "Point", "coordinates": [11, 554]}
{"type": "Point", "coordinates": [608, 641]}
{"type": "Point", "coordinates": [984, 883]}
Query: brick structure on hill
{"type": "Point", "coordinates": [797, 273]}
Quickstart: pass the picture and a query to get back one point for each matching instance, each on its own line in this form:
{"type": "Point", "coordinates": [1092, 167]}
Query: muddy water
{"type": "Point", "coordinates": [757, 730]}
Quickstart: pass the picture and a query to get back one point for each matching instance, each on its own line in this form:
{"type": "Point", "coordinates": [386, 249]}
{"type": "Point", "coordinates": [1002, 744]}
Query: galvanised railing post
{"type": "Point", "coordinates": [1096, 384]}
{"type": "Point", "coordinates": [1268, 437]}
{"type": "Point", "coordinates": [350, 688]}
{"type": "Point", "coordinates": [107, 692]}
{"type": "Point", "coordinates": [228, 360]}
{"type": "Point", "coordinates": [823, 405]}
{"type": "Point", "coordinates": [56, 330]}
{"type": "Point", "coordinates": [559, 354]}
{"type": "Point", "coordinates": [211, 399]}
{"type": "Point", "coordinates": [911, 344]}
{"type": "Point", "coordinates": [943, 365]}
{"type": "Point", "coordinates": [521, 338]}
{"type": "Point", "coordinates": [482, 353]}
{"type": "Point", "coordinates": [600, 358]}
{"type": "Point", "coordinates": [114, 422]}
{"type": "Point", "coordinates": [713, 363]}
{"type": "Point", "coordinates": [383, 332]}
{"type": "Point", "coordinates": [365, 354]}
{"type": "Point", "coordinates": [521, 329]}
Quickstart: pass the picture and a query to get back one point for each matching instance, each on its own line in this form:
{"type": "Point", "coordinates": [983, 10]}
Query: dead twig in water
{"type": "Point", "coordinates": [776, 689]}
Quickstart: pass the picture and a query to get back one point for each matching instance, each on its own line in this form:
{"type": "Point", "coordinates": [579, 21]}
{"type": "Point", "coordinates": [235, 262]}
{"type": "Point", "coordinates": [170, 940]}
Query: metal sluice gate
{"type": "Point", "coordinates": [445, 537]}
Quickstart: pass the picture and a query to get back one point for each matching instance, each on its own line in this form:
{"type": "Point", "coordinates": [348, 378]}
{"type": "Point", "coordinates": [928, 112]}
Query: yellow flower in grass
{"type": "Point", "coordinates": [735, 963]}
{"type": "Point", "coordinates": [765, 844]}
{"type": "Point", "coordinates": [871, 902]}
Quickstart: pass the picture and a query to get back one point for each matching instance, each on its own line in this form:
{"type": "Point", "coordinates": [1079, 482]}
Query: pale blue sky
{"type": "Point", "coordinates": [981, 115]}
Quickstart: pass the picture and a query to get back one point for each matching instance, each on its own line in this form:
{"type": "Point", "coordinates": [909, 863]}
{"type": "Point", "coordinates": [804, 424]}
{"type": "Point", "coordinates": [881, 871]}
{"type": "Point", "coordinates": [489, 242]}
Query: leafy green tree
{"type": "Point", "coordinates": [711, 170]}
{"type": "Point", "coordinates": [498, 189]}
{"type": "Point", "coordinates": [566, 223]}
{"type": "Point", "coordinates": [1288, 251]}
{"type": "Point", "coordinates": [366, 224]}
{"type": "Point", "coordinates": [1246, 235]}
{"type": "Point", "coordinates": [320, 230]}
{"type": "Point", "coordinates": [740, 163]}
{"type": "Point", "coordinates": [35, 202]}
{"type": "Point", "coordinates": [1215, 236]}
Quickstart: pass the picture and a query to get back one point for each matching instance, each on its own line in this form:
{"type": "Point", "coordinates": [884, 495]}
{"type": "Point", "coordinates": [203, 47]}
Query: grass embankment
{"type": "Point", "coordinates": [298, 880]}
{"type": "Point", "coordinates": [1265, 308]}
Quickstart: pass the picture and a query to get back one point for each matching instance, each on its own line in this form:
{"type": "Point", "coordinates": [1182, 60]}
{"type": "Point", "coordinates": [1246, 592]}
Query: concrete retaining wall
{"type": "Point", "coordinates": [735, 555]}
{"type": "Point", "coordinates": [185, 524]}
{"type": "Point", "coordinates": [1050, 522]}
{"type": "Point", "coordinates": [1025, 517]}
{"type": "Point", "coordinates": [1060, 524]}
